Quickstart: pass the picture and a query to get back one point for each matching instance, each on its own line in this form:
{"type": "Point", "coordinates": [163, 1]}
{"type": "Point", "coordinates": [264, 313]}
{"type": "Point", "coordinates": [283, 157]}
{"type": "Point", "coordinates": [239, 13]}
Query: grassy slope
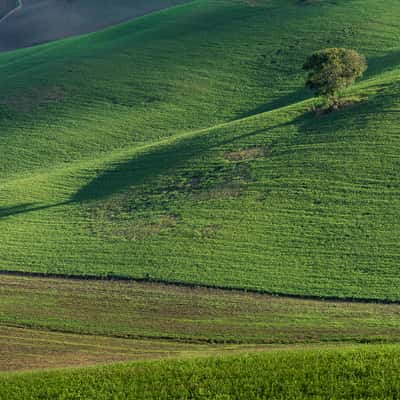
{"type": "Point", "coordinates": [152, 311]}
{"type": "Point", "coordinates": [355, 373]}
{"type": "Point", "coordinates": [313, 210]}
{"type": "Point", "coordinates": [216, 60]}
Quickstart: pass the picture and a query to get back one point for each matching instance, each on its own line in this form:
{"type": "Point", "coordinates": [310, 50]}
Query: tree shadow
{"type": "Point", "coordinates": [325, 128]}
{"type": "Point", "coordinates": [293, 97]}
{"type": "Point", "coordinates": [160, 161]}
{"type": "Point", "coordinates": [26, 208]}
{"type": "Point", "coordinates": [14, 210]}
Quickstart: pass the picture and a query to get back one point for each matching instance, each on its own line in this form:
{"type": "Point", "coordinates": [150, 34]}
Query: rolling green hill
{"type": "Point", "coordinates": [179, 147]}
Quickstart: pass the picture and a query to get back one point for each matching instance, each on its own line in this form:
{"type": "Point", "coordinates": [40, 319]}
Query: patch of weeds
{"type": "Point", "coordinates": [248, 153]}
{"type": "Point", "coordinates": [264, 195]}
{"type": "Point", "coordinates": [134, 228]}
{"type": "Point", "coordinates": [222, 191]}
{"type": "Point", "coordinates": [210, 231]}
{"type": "Point", "coordinates": [145, 211]}
{"type": "Point", "coordinates": [229, 181]}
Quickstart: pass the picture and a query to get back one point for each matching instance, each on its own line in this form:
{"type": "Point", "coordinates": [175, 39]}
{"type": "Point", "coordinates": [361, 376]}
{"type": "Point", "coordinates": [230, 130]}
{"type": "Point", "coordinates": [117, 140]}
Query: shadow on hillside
{"type": "Point", "coordinates": [159, 161]}
{"type": "Point", "coordinates": [294, 97]}
{"type": "Point", "coordinates": [13, 210]}
{"type": "Point", "coordinates": [25, 208]}
{"type": "Point", "coordinates": [378, 65]}
{"type": "Point", "coordinates": [325, 128]}
{"type": "Point", "coordinates": [162, 160]}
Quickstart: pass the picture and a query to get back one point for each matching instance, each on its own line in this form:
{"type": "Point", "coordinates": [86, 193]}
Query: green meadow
{"type": "Point", "coordinates": [167, 190]}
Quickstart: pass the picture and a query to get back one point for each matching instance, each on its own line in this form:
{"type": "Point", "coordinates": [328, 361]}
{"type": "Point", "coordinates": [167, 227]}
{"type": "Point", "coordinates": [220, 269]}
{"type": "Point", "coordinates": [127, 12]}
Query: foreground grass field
{"type": "Point", "coordinates": [109, 166]}
{"type": "Point", "coordinates": [355, 373]}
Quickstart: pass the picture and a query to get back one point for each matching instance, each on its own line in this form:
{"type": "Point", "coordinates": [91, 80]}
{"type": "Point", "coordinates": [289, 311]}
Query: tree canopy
{"type": "Point", "coordinates": [332, 69]}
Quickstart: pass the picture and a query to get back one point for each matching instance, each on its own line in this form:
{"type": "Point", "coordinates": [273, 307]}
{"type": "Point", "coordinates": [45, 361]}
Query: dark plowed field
{"type": "Point", "coordinates": [40, 21]}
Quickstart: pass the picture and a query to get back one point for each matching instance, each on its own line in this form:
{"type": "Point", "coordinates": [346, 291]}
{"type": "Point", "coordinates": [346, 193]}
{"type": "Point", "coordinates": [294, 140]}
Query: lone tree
{"type": "Point", "coordinates": [330, 70]}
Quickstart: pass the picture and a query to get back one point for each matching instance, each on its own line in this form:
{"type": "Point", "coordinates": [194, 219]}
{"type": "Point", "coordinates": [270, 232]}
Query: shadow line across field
{"type": "Point", "coordinates": [26, 208]}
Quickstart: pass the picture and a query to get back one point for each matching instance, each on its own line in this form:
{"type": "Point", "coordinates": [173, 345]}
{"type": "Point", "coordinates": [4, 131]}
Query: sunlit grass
{"type": "Point", "coordinates": [120, 152]}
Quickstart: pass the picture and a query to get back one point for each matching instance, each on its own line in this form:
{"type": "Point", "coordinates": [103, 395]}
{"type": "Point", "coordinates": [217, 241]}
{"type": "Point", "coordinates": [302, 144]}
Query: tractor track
{"type": "Point", "coordinates": [12, 12]}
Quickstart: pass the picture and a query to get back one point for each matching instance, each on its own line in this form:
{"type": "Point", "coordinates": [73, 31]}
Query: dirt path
{"type": "Point", "coordinates": [10, 13]}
